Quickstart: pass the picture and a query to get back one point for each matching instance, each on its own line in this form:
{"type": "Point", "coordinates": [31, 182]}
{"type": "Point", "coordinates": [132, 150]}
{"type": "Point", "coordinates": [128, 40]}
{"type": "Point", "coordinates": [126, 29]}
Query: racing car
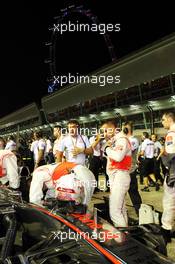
{"type": "Point", "coordinates": [31, 234]}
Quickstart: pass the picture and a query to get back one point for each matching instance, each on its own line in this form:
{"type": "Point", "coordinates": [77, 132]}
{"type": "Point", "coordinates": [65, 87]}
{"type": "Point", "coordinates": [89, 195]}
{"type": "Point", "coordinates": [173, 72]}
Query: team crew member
{"type": "Point", "coordinates": [140, 160]}
{"type": "Point", "coordinates": [168, 121]}
{"type": "Point", "coordinates": [77, 178]}
{"type": "Point", "coordinates": [158, 151]}
{"type": "Point", "coordinates": [9, 169]}
{"type": "Point", "coordinates": [57, 133]}
{"type": "Point", "coordinates": [96, 160]}
{"type": "Point", "coordinates": [118, 168]}
{"type": "Point", "coordinates": [147, 150]}
{"type": "Point", "coordinates": [107, 135]}
{"type": "Point", "coordinates": [48, 155]}
{"type": "Point", "coordinates": [133, 190]}
{"type": "Point", "coordinates": [11, 145]}
{"type": "Point", "coordinates": [74, 146]}
{"type": "Point", "coordinates": [38, 148]}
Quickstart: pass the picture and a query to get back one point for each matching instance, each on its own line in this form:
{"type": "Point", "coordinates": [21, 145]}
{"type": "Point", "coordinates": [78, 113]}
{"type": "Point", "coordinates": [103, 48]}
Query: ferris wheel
{"type": "Point", "coordinates": [52, 44]}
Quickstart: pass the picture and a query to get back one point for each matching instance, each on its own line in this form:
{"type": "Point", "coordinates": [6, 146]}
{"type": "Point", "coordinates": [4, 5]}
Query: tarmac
{"type": "Point", "coordinates": [153, 198]}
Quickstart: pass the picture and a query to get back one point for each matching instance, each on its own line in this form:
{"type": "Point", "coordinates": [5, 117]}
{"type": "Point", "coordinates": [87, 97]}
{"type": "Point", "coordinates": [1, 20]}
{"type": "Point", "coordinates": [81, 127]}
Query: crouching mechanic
{"type": "Point", "coordinates": [68, 182]}
{"type": "Point", "coordinates": [9, 169]}
{"type": "Point", "coordinates": [118, 169]}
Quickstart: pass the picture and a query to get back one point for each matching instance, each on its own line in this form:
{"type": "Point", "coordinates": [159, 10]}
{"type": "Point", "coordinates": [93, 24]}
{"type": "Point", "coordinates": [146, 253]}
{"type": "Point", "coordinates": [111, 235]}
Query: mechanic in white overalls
{"type": "Point", "coordinates": [168, 217]}
{"type": "Point", "coordinates": [67, 181]}
{"type": "Point", "coordinates": [118, 169]}
{"type": "Point", "coordinates": [9, 169]}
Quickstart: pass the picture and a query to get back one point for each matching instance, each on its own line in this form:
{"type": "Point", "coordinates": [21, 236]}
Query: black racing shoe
{"type": "Point", "coordinates": [172, 233]}
{"type": "Point", "coordinates": [157, 186]}
{"type": "Point", "coordinates": [145, 189]}
{"type": "Point", "coordinates": [107, 190]}
{"type": "Point", "coordinates": [96, 190]}
{"type": "Point", "coordinates": [166, 235]}
{"type": "Point", "coordinates": [152, 184]}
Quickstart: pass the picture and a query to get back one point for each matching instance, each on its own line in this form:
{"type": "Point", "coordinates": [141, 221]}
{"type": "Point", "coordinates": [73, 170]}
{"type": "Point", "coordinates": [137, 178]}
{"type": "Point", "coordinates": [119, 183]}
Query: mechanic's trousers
{"type": "Point", "coordinates": [168, 215]}
{"type": "Point", "coordinates": [119, 186]}
{"type": "Point", "coordinates": [41, 176]}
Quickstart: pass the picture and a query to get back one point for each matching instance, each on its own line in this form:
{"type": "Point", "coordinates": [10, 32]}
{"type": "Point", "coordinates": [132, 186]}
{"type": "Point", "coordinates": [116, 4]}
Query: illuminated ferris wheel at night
{"type": "Point", "coordinates": [57, 30]}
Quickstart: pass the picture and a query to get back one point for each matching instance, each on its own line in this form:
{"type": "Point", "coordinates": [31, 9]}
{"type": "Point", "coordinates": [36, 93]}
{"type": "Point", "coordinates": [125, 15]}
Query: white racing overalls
{"type": "Point", "coordinates": [168, 215]}
{"type": "Point", "coordinates": [61, 177]}
{"type": "Point", "coordinates": [9, 169]}
{"type": "Point", "coordinates": [118, 169]}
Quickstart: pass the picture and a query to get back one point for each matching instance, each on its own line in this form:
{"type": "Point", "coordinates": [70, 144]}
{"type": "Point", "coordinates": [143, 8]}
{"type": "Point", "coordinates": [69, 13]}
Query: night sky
{"type": "Point", "coordinates": [24, 31]}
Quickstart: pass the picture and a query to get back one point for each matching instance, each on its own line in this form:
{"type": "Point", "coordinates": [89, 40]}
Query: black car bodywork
{"type": "Point", "coordinates": [33, 235]}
